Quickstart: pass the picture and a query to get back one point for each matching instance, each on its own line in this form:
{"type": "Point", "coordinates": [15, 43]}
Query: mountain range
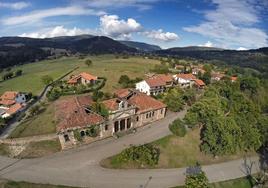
{"type": "Point", "coordinates": [20, 50]}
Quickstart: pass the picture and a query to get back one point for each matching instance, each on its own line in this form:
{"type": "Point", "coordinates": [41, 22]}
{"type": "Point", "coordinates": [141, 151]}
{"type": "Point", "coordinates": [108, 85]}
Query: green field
{"type": "Point", "coordinates": [106, 66]}
{"type": "Point", "coordinates": [175, 152]}
{"type": "Point", "coordinates": [21, 184]}
{"type": "Point", "coordinates": [43, 123]}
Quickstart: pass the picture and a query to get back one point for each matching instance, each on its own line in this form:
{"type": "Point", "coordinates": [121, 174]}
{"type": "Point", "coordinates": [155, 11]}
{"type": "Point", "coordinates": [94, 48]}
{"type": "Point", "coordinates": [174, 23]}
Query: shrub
{"type": "Point", "coordinates": [177, 127]}
{"type": "Point", "coordinates": [146, 154]}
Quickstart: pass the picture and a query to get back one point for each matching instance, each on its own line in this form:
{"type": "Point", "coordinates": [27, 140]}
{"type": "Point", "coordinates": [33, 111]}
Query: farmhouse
{"type": "Point", "coordinates": [155, 85]}
{"type": "Point", "coordinates": [11, 102]}
{"type": "Point", "coordinates": [233, 79]}
{"type": "Point", "coordinates": [199, 83]}
{"type": "Point", "coordinates": [216, 76]}
{"type": "Point", "coordinates": [129, 109]}
{"type": "Point", "coordinates": [82, 78]}
{"type": "Point", "coordinates": [184, 80]}
{"type": "Point", "coordinates": [10, 98]}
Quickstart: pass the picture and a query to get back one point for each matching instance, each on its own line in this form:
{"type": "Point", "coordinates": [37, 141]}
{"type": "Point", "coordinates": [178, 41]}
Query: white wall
{"type": "Point", "coordinates": [143, 87]}
{"type": "Point", "coordinates": [20, 98]}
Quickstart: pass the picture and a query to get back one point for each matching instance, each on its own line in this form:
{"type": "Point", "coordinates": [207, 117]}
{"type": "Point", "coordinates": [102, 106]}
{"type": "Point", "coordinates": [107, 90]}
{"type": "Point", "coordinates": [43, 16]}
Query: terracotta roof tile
{"type": "Point", "coordinates": [111, 104]}
{"type": "Point", "coordinates": [83, 75]}
{"type": "Point", "coordinates": [8, 98]}
{"type": "Point", "coordinates": [145, 103]}
{"type": "Point", "coordinates": [155, 81]}
{"type": "Point", "coordinates": [71, 113]}
{"type": "Point", "coordinates": [199, 82]}
{"type": "Point", "coordinates": [186, 76]}
{"type": "Point", "coordinates": [122, 93]}
{"type": "Point", "coordinates": [14, 109]}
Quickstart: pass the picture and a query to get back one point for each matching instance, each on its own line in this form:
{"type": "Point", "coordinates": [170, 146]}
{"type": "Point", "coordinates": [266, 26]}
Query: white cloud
{"type": "Point", "coordinates": [57, 31]}
{"type": "Point", "coordinates": [141, 4]}
{"type": "Point", "coordinates": [112, 26]}
{"type": "Point", "coordinates": [232, 24]}
{"type": "Point", "coordinates": [38, 15]}
{"type": "Point", "coordinates": [15, 6]}
{"type": "Point", "coordinates": [160, 35]}
{"type": "Point", "coordinates": [207, 44]}
{"type": "Point", "coordinates": [241, 49]}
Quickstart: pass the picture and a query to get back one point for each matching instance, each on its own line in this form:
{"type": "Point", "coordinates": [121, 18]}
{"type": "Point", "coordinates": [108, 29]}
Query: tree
{"type": "Point", "coordinates": [206, 77]}
{"type": "Point", "coordinates": [46, 79]}
{"type": "Point", "coordinates": [196, 178]}
{"type": "Point", "coordinates": [34, 110]}
{"type": "Point", "coordinates": [173, 99]}
{"type": "Point", "coordinates": [18, 72]}
{"type": "Point", "coordinates": [249, 83]}
{"type": "Point", "coordinates": [7, 75]}
{"type": "Point", "coordinates": [97, 95]}
{"type": "Point", "coordinates": [177, 127]}
{"type": "Point", "coordinates": [88, 62]}
{"type": "Point", "coordinates": [124, 80]}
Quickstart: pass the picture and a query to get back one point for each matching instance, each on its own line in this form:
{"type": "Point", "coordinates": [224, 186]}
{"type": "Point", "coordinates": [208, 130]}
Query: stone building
{"type": "Point", "coordinates": [128, 110]}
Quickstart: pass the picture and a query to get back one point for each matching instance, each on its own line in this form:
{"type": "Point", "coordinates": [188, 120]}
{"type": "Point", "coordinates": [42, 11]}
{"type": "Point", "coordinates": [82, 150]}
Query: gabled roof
{"type": "Point", "coordinates": [8, 98]}
{"type": "Point", "coordinates": [164, 77]}
{"type": "Point", "coordinates": [122, 93]}
{"type": "Point", "coordinates": [155, 82]}
{"type": "Point", "coordinates": [233, 78]}
{"type": "Point", "coordinates": [199, 82]}
{"type": "Point", "coordinates": [14, 109]}
{"type": "Point", "coordinates": [186, 76]}
{"type": "Point", "coordinates": [71, 113]}
{"type": "Point", "coordinates": [145, 103]}
{"type": "Point", "coordinates": [111, 104]}
{"type": "Point", "coordinates": [83, 75]}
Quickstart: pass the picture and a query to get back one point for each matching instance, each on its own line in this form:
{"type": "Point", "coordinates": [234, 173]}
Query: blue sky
{"type": "Point", "coordinates": [234, 24]}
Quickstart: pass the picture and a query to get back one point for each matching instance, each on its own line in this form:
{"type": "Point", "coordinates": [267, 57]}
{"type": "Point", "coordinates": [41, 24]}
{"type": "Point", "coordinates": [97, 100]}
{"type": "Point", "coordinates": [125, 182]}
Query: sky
{"type": "Point", "coordinates": [230, 24]}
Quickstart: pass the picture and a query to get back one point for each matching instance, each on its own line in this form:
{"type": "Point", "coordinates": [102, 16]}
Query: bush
{"type": "Point", "coordinates": [177, 127]}
{"type": "Point", "coordinates": [146, 154]}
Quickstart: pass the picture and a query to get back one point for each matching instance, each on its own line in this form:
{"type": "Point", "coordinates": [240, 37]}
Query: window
{"type": "Point", "coordinates": [106, 127]}
{"type": "Point", "coordinates": [128, 123]}
{"type": "Point", "coordinates": [82, 133]}
{"type": "Point", "coordinates": [137, 119]}
{"type": "Point", "coordinates": [147, 115]}
{"type": "Point", "coordinates": [153, 113]}
{"type": "Point", "coordinates": [66, 138]}
{"type": "Point", "coordinates": [162, 111]}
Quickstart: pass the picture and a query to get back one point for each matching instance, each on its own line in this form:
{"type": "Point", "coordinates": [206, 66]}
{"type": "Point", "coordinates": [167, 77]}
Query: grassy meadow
{"type": "Point", "coordinates": [175, 152]}
{"type": "Point", "coordinates": [105, 65]}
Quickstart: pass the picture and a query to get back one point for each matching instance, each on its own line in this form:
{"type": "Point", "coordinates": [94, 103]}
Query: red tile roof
{"type": "Point", "coordinates": [14, 109]}
{"type": "Point", "coordinates": [164, 77]}
{"type": "Point", "coordinates": [155, 82]}
{"type": "Point", "coordinates": [111, 104]}
{"type": "Point", "coordinates": [186, 76]}
{"type": "Point", "coordinates": [83, 75]}
{"type": "Point", "coordinates": [122, 93]}
{"type": "Point", "coordinates": [8, 98]}
{"type": "Point", "coordinates": [199, 82]}
{"type": "Point", "coordinates": [233, 78]}
{"type": "Point", "coordinates": [145, 103]}
{"type": "Point", "coordinates": [70, 113]}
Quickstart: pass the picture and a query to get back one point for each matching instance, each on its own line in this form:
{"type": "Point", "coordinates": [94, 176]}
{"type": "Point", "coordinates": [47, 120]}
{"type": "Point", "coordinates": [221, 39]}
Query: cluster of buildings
{"type": "Point", "coordinates": [159, 83]}
{"type": "Point", "coordinates": [129, 109]}
{"type": "Point", "coordinates": [12, 102]}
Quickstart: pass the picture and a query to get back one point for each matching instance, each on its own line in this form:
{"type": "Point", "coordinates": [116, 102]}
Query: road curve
{"type": "Point", "coordinates": [80, 166]}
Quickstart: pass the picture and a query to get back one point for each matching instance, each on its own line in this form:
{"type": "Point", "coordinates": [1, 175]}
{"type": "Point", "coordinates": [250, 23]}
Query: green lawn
{"type": "Point", "coordinates": [105, 65]}
{"type": "Point", "coordinates": [43, 123]}
{"type": "Point", "coordinates": [13, 184]}
{"type": "Point", "coordinates": [236, 183]}
{"type": "Point", "coordinates": [175, 152]}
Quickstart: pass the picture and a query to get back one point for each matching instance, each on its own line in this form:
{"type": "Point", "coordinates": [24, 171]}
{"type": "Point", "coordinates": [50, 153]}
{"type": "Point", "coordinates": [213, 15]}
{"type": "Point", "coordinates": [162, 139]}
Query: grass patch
{"type": "Point", "coordinates": [176, 152]}
{"type": "Point", "coordinates": [39, 149]}
{"type": "Point", "coordinates": [4, 150]}
{"type": "Point", "coordinates": [21, 184]}
{"type": "Point", "coordinates": [43, 123]}
{"type": "Point", "coordinates": [236, 183]}
{"type": "Point", "coordinates": [105, 66]}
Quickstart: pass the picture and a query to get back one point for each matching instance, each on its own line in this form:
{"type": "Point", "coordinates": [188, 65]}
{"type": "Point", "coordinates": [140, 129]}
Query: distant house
{"type": "Point", "coordinates": [184, 80]}
{"type": "Point", "coordinates": [195, 71]}
{"type": "Point", "coordinates": [129, 109]}
{"type": "Point", "coordinates": [10, 98]}
{"type": "Point", "coordinates": [199, 83]}
{"type": "Point", "coordinates": [216, 76]}
{"type": "Point", "coordinates": [12, 102]}
{"type": "Point", "coordinates": [155, 85]}
{"type": "Point", "coordinates": [233, 79]}
{"type": "Point", "coordinates": [82, 78]}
